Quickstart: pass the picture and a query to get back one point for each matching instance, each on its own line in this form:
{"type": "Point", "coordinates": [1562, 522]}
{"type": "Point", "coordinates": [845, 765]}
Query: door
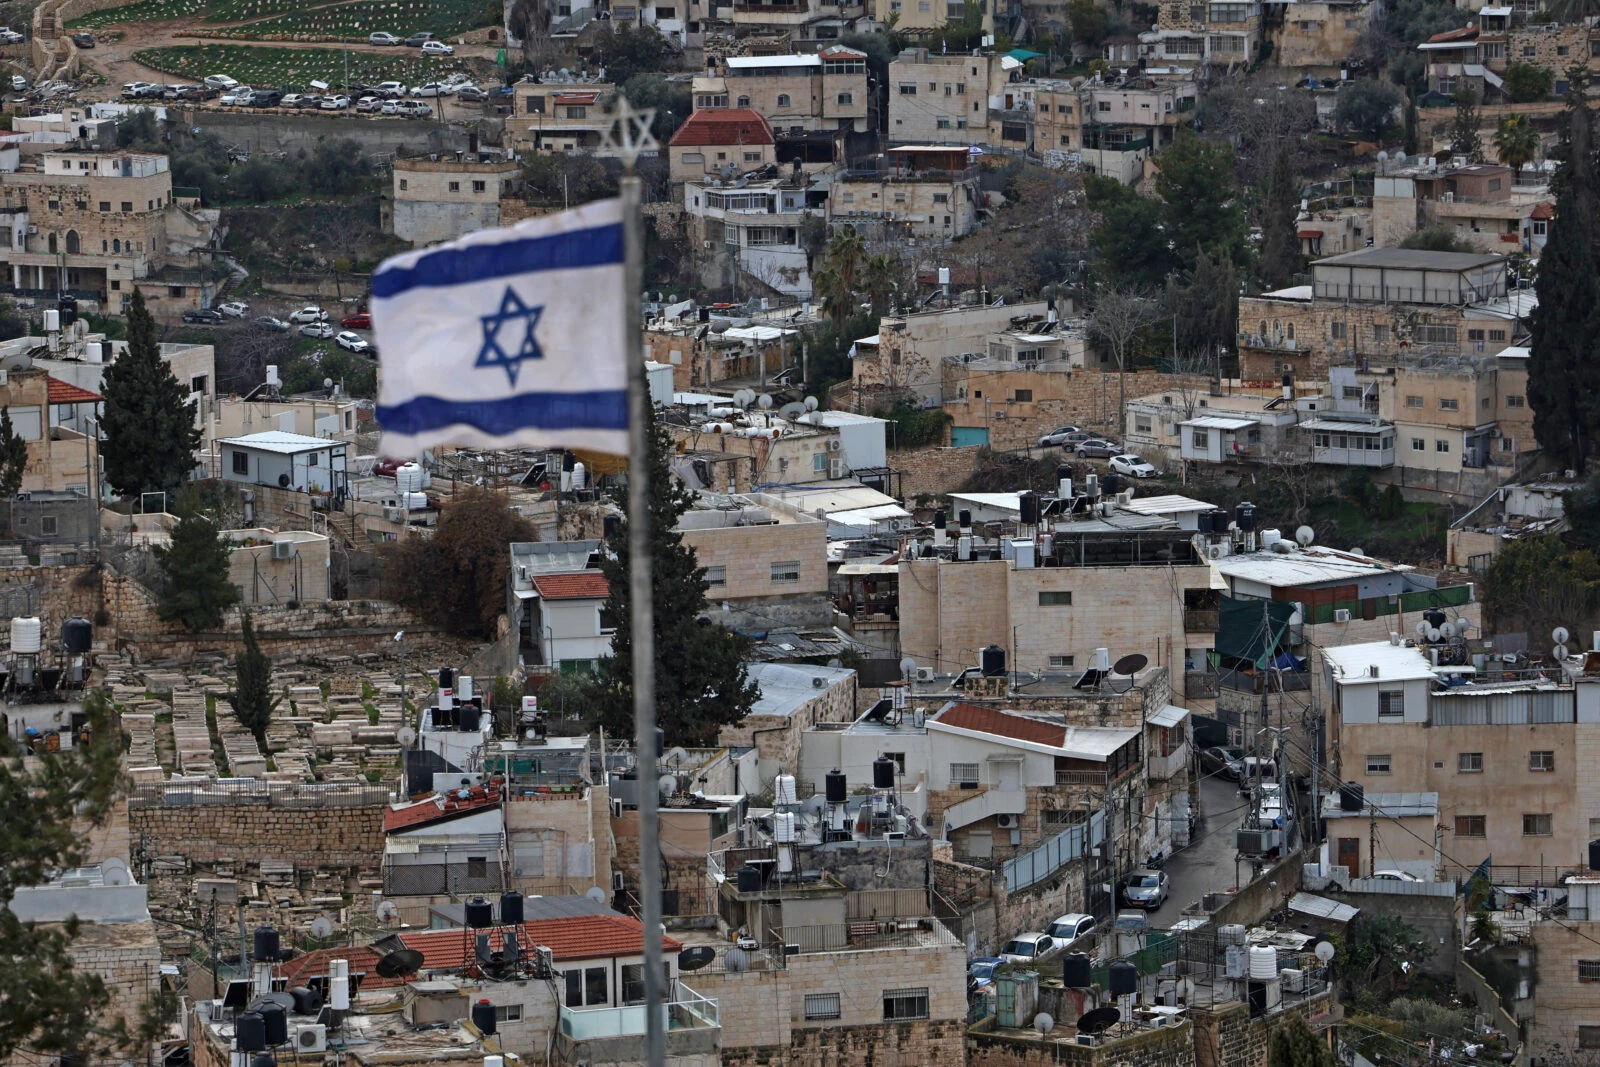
{"type": "Point", "coordinates": [1008, 776]}
{"type": "Point", "coordinates": [1350, 855]}
{"type": "Point", "coordinates": [963, 436]}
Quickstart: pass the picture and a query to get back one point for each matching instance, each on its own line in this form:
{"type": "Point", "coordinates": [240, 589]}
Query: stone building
{"type": "Point", "coordinates": [1479, 203]}
{"type": "Point", "coordinates": [279, 566]}
{"type": "Point", "coordinates": [907, 355]}
{"type": "Point", "coordinates": [941, 99]}
{"type": "Point", "coordinates": [766, 566]}
{"type": "Point", "coordinates": [43, 409]}
{"type": "Point", "coordinates": [1475, 56]}
{"type": "Point", "coordinates": [1221, 32]}
{"type": "Point", "coordinates": [914, 191]}
{"type": "Point", "coordinates": [720, 143]}
{"type": "Point", "coordinates": [797, 94]}
{"type": "Point", "coordinates": [1317, 36]}
{"type": "Point", "coordinates": [558, 116]}
{"type": "Point", "coordinates": [440, 199]}
{"type": "Point", "coordinates": [755, 227]}
{"type": "Point", "coordinates": [795, 697]}
{"type": "Point", "coordinates": [1111, 128]}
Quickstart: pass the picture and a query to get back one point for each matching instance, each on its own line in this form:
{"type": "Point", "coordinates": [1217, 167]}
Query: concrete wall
{"type": "Point", "coordinates": [247, 834]}
{"type": "Point", "coordinates": [1438, 919]}
{"type": "Point", "coordinates": [302, 130]}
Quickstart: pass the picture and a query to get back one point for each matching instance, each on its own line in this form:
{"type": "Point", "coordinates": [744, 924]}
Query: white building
{"type": "Point", "coordinates": [571, 628]}
{"type": "Point", "coordinates": [285, 460]}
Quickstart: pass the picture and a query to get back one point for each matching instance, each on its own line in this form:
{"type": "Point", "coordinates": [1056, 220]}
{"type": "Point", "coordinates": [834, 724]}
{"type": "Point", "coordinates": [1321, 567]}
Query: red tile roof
{"type": "Point", "coordinates": [1002, 724]}
{"type": "Point", "coordinates": [839, 51]}
{"type": "Point", "coordinates": [1310, 233]}
{"type": "Point", "coordinates": [583, 585]}
{"type": "Point", "coordinates": [66, 393]}
{"type": "Point", "coordinates": [363, 958]}
{"type": "Point", "coordinates": [438, 808]}
{"type": "Point", "coordinates": [576, 937]}
{"type": "Point", "coordinates": [723, 126]}
{"type": "Point", "coordinates": [1468, 32]}
{"type": "Point", "coordinates": [1543, 211]}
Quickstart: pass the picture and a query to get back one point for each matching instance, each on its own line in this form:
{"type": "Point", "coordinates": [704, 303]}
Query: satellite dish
{"type": "Point", "coordinates": [793, 411]}
{"type": "Point", "coordinates": [114, 872]}
{"type": "Point", "coordinates": [1304, 536]}
{"type": "Point", "coordinates": [1422, 628]}
{"type": "Point", "coordinates": [1400, 157]}
{"type": "Point", "coordinates": [1433, 633]}
{"type": "Point", "coordinates": [764, 402]}
{"type": "Point", "coordinates": [677, 755]}
{"type": "Point", "coordinates": [735, 960]}
{"type": "Point", "coordinates": [406, 736]}
{"type": "Point", "coordinates": [908, 668]}
{"type": "Point", "coordinates": [1044, 1022]}
{"type": "Point", "coordinates": [1186, 988]}
{"type": "Point", "coordinates": [668, 786]}
{"type": "Point", "coordinates": [696, 957]}
{"type": "Point", "coordinates": [1383, 157]}
{"type": "Point", "coordinates": [321, 927]}
{"type": "Point", "coordinates": [1099, 1019]}
{"type": "Point", "coordinates": [400, 963]}
{"type": "Point", "coordinates": [596, 894]}
{"type": "Point", "coordinates": [1559, 652]}
{"type": "Point", "coordinates": [327, 383]}
{"type": "Point", "coordinates": [1324, 951]}
{"type": "Point", "coordinates": [1131, 664]}
{"type": "Point", "coordinates": [1559, 635]}
{"type": "Point", "coordinates": [811, 403]}
{"type": "Point", "coordinates": [388, 911]}
{"type": "Point", "coordinates": [1462, 626]}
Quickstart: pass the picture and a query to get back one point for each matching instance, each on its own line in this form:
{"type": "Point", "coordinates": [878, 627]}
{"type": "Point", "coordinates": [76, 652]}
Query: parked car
{"type": "Point", "coordinates": [1097, 448]}
{"type": "Point", "coordinates": [311, 102]}
{"type": "Point", "coordinates": [416, 40]}
{"type": "Point", "coordinates": [391, 107]}
{"type": "Point", "coordinates": [1221, 761]}
{"type": "Point", "coordinates": [1396, 876]}
{"type": "Point", "coordinates": [392, 90]}
{"type": "Point", "coordinates": [220, 81]}
{"type": "Point", "coordinates": [471, 94]}
{"type": "Point", "coordinates": [361, 320]}
{"type": "Point", "coordinates": [382, 38]}
{"type": "Point", "coordinates": [1071, 927]}
{"type": "Point", "coordinates": [1271, 804]}
{"type": "Point", "coordinates": [292, 101]}
{"type": "Point", "coordinates": [309, 313]}
{"type": "Point", "coordinates": [1133, 466]}
{"type": "Point", "coordinates": [338, 102]}
{"type": "Point", "coordinates": [368, 104]}
{"type": "Point", "coordinates": [83, 40]}
{"type": "Point", "coordinates": [1057, 437]}
{"type": "Point", "coordinates": [320, 330]}
{"type": "Point", "coordinates": [437, 48]}
{"type": "Point", "coordinates": [238, 96]}
{"type": "Point", "coordinates": [234, 309]}
{"type": "Point", "coordinates": [1144, 889]}
{"type": "Point", "coordinates": [198, 92]}
{"type": "Point", "coordinates": [415, 109]}
{"type": "Point", "coordinates": [19, 84]}
{"type": "Point", "coordinates": [351, 342]}
{"type": "Point", "coordinates": [980, 971]}
{"type": "Point", "coordinates": [267, 322]}
{"type": "Point", "coordinates": [1025, 948]}
{"type": "Point", "coordinates": [266, 98]}
{"type": "Point", "coordinates": [431, 89]}
{"type": "Point", "coordinates": [174, 92]}
{"type": "Point", "coordinates": [134, 90]}
{"type": "Point", "coordinates": [10, 36]}
{"type": "Point", "coordinates": [202, 317]}
{"type": "Point", "coordinates": [1256, 769]}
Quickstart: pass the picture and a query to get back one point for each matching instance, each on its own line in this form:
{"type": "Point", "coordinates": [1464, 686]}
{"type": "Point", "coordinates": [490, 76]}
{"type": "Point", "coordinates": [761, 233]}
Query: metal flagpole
{"type": "Point", "coordinates": [631, 136]}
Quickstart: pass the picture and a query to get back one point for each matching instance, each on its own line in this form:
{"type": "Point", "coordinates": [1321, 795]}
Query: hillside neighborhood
{"type": "Point", "coordinates": [1121, 513]}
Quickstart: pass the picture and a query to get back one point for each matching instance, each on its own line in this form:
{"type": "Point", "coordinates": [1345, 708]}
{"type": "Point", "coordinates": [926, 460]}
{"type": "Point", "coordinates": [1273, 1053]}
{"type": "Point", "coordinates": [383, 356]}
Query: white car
{"type": "Point", "coordinates": [382, 38]}
{"type": "Point", "coordinates": [320, 330]}
{"type": "Point", "coordinates": [10, 36]}
{"type": "Point", "coordinates": [437, 48]}
{"type": "Point", "coordinates": [415, 109]}
{"type": "Point", "coordinates": [1025, 948]}
{"type": "Point", "coordinates": [432, 89]}
{"type": "Point", "coordinates": [368, 104]}
{"type": "Point", "coordinates": [391, 90]}
{"type": "Point", "coordinates": [1133, 466]}
{"type": "Point", "coordinates": [19, 84]}
{"type": "Point", "coordinates": [1396, 876]}
{"type": "Point", "coordinates": [1070, 928]}
{"type": "Point", "coordinates": [390, 107]}
{"type": "Point", "coordinates": [238, 96]}
{"type": "Point", "coordinates": [309, 313]}
{"type": "Point", "coordinates": [351, 342]}
{"type": "Point", "coordinates": [234, 309]}
{"type": "Point", "coordinates": [134, 90]}
{"type": "Point", "coordinates": [335, 103]}
{"type": "Point", "coordinates": [220, 81]}
{"type": "Point", "coordinates": [292, 100]}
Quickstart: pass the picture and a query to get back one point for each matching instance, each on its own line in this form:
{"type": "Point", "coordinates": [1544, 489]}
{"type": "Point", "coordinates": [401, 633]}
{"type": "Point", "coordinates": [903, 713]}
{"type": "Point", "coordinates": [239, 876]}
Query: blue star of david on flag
{"type": "Point", "coordinates": [493, 353]}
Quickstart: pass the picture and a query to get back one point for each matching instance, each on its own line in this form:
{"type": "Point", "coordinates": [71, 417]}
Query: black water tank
{"type": "Point", "coordinates": [263, 1059]}
{"type": "Point", "coordinates": [249, 1032]}
{"type": "Point", "coordinates": [610, 525]}
{"type": "Point", "coordinates": [992, 661]}
{"type": "Point", "coordinates": [266, 944]}
{"type": "Point", "coordinates": [1257, 992]}
{"type": "Point", "coordinates": [883, 769]}
{"type": "Point", "coordinates": [1111, 484]}
{"type": "Point", "coordinates": [511, 908]}
{"type": "Point", "coordinates": [470, 718]}
{"type": "Point", "coordinates": [835, 787]}
{"type": "Point", "coordinates": [480, 914]}
{"type": "Point", "coordinates": [1124, 978]}
{"type": "Point", "coordinates": [483, 1017]}
{"type": "Point", "coordinates": [77, 635]}
{"type": "Point", "coordinates": [749, 879]}
{"type": "Point", "coordinates": [1029, 503]}
{"type": "Point", "coordinates": [1077, 970]}
{"type": "Point", "coordinates": [1594, 855]}
{"type": "Point", "coordinates": [940, 519]}
{"type": "Point", "coordinates": [447, 677]}
{"type": "Point", "coordinates": [1245, 515]}
{"type": "Point", "coordinates": [1202, 522]}
{"type": "Point", "coordinates": [964, 517]}
{"type": "Point", "coordinates": [306, 1000]}
{"type": "Point", "coordinates": [1351, 796]}
{"type": "Point", "coordinates": [1063, 471]}
{"type": "Point", "coordinates": [276, 1022]}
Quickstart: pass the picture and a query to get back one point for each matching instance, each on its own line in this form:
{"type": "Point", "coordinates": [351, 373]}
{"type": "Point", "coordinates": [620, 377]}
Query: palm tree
{"type": "Point", "coordinates": [878, 281]}
{"type": "Point", "coordinates": [847, 254]}
{"type": "Point", "coordinates": [837, 298]}
{"type": "Point", "coordinates": [1516, 142]}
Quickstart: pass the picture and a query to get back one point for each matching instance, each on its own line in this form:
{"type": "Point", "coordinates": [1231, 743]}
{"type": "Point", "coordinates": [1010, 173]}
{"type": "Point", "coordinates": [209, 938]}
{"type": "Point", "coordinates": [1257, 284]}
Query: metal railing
{"type": "Point", "coordinates": [1040, 863]}
{"type": "Point", "coordinates": [687, 1010]}
{"type": "Point", "coordinates": [865, 934]}
{"type": "Point", "coordinates": [253, 791]}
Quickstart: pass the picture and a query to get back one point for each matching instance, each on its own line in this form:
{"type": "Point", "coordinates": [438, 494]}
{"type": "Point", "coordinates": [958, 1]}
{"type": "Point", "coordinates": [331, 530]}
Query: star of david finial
{"type": "Point", "coordinates": [629, 137]}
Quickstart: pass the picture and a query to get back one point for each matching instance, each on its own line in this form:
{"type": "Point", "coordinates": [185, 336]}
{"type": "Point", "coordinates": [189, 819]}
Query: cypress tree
{"type": "Point", "coordinates": [150, 431]}
{"type": "Point", "coordinates": [13, 457]}
{"type": "Point", "coordinates": [197, 591]}
{"type": "Point", "coordinates": [1564, 365]}
{"type": "Point", "coordinates": [1280, 236]}
{"type": "Point", "coordinates": [252, 689]}
{"type": "Point", "coordinates": [1294, 1045]}
{"type": "Point", "coordinates": [701, 681]}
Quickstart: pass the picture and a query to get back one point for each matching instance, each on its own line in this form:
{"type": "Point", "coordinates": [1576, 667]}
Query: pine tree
{"type": "Point", "coordinates": [701, 681]}
{"type": "Point", "coordinates": [150, 431]}
{"type": "Point", "coordinates": [1563, 368]}
{"type": "Point", "coordinates": [1409, 143]}
{"type": "Point", "coordinates": [1280, 238]}
{"type": "Point", "coordinates": [1466, 143]}
{"type": "Point", "coordinates": [13, 457]}
{"type": "Point", "coordinates": [197, 590]}
{"type": "Point", "coordinates": [1294, 1045]}
{"type": "Point", "coordinates": [253, 703]}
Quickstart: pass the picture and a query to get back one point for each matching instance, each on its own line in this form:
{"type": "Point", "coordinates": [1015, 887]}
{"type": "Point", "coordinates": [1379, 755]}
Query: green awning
{"type": "Point", "coordinates": [1252, 629]}
{"type": "Point", "coordinates": [1022, 55]}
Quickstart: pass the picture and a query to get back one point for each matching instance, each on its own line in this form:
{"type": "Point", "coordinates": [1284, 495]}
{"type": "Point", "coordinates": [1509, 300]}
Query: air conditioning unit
{"type": "Point", "coordinates": [1214, 552]}
{"type": "Point", "coordinates": [283, 550]}
{"type": "Point", "coordinates": [311, 1037]}
{"type": "Point", "coordinates": [924, 674]}
{"type": "Point", "coordinates": [838, 468]}
{"type": "Point", "coordinates": [1088, 1039]}
{"type": "Point", "coordinates": [835, 445]}
{"type": "Point", "coordinates": [1448, 198]}
{"type": "Point", "coordinates": [1288, 368]}
{"type": "Point", "coordinates": [1341, 615]}
{"type": "Point", "coordinates": [1006, 822]}
{"type": "Point", "coordinates": [711, 244]}
{"type": "Point", "coordinates": [1294, 979]}
{"type": "Point", "coordinates": [33, 230]}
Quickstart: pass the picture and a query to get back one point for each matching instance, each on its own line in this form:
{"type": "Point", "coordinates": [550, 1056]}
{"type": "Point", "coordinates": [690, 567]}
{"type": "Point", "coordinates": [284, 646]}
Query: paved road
{"type": "Point", "coordinates": [1206, 866]}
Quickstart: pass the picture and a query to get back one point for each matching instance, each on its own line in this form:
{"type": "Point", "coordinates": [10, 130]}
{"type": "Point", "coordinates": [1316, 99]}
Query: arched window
{"type": "Point", "coordinates": [744, 101]}
{"type": "Point", "coordinates": [52, 243]}
{"type": "Point", "coordinates": [783, 99]}
{"type": "Point", "coordinates": [105, 246]}
{"type": "Point", "coordinates": [116, 245]}
{"type": "Point", "coordinates": [1290, 332]}
{"type": "Point", "coordinates": [72, 242]}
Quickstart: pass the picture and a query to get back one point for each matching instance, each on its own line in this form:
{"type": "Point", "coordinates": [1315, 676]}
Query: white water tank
{"type": "Point", "coordinates": [783, 791]}
{"type": "Point", "coordinates": [1263, 962]}
{"type": "Point", "coordinates": [414, 501]}
{"type": "Point", "coordinates": [52, 320]}
{"type": "Point", "coordinates": [95, 352]}
{"type": "Point", "coordinates": [579, 473]}
{"type": "Point", "coordinates": [783, 827]}
{"type": "Point", "coordinates": [26, 634]}
{"type": "Point", "coordinates": [1270, 538]}
{"type": "Point", "coordinates": [408, 478]}
{"type": "Point", "coordinates": [272, 376]}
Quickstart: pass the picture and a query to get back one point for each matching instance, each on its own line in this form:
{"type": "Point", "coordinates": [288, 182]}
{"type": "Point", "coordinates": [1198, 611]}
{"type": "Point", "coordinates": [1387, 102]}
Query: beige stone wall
{"type": "Point", "coordinates": [1320, 34]}
{"type": "Point", "coordinates": [776, 738]}
{"type": "Point", "coordinates": [917, 205]}
{"type": "Point", "coordinates": [1552, 45]}
{"type": "Point", "coordinates": [1561, 1003]}
{"type": "Point", "coordinates": [1308, 322]}
{"type": "Point", "coordinates": [248, 833]}
{"type": "Point", "coordinates": [949, 104]}
{"type": "Point", "coordinates": [934, 471]}
{"type": "Point", "coordinates": [574, 859]}
{"type": "Point", "coordinates": [1084, 397]}
{"type": "Point", "coordinates": [747, 553]}
{"type": "Point", "coordinates": [1167, 1047]}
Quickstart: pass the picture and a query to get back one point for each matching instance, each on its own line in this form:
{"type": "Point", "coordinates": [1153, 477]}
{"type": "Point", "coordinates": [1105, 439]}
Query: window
{"type": "Point", "coordinates": [1497, 335]}
{"type": "Point", "coordinates": [1024, 396]}
{"type": "Point", "coordinates": [1413, 401]}
{"type": "Point", "coordinates": [716, 576]}
{"type": "Point", "coordinates": [905, 1004]}
{"type": "Point", "coordinates": [508, 1013]}
{"type": "Point", "coordinates": [1103, 105]}
{"type": "Point", "coordinates": [1537, 825]}
{"type": "Point", "coordinates": [1449, 403]}
{"type": "Point", "coordinates": [477, 867]}
{"type": "Point", "coordinates": [403, 185]}
{"type": "Point", "coordinates": [941, 198]}
{"type": "Point", "coordinates": [105, 205]}
{"type": "Point", "coordinates": [594, 985]}
{"type": "Point", "coordinates": [1470, 826]}
{"type": "Point", "coordinates": [1055, 599]}
{"type": "Point", "coordinates": [479, 187]}
{"type": "Point", "coordinates": [127, 205]}
{"type": "Point", "coordinates": [1380, 335]}
{"type": "Point", "coordinates": [752, 157]}
{"type": "Point", "coordinates": [47, 525]}
{"type": "Point", "coordinates": [1445, 335]}
{"type": "Point", "coordinates": [1589, 970]}
{"type": "Point", "coordinates": [455, 187]}
{"type": "Point", "coordinates": [1201, 438]}
{"type": "Point", "coordinates": [1469, 762]}
{"type": "Point", "coordinates": [1441, 445]}
{"type": "Point", "coordinates": [1378, 764]}
{"type": "Point", "coordinates": [822, 1005]}
{"type": "Point", "coordinates": [1061, 661]}
{"type": "Point", "coordinates": [1529, 51]}
{"type": "Point", "coordinates": [786, 571]}
{"type": "Point", "coordinates": [174, 290]}
{"type": "Point", "coordinates": [908, 89]}
{"type": "Point", "coordinates": [1418, 445]}
{"type": "Point", "coordinates": [783, 99]}
{"type": "Point", "coordinates": [1142, 424]}
{"type": "Point", "coordinates": [1336, 331]}
{"type": "Point", "coordinates": [1541, 761]}
{"type": "Point", "coordinates": [1589, 1037]}
{"type": "Point", "coordinates": [846, 99]}
{"type": "Point", "coordinates": [964, 774]}
{"type": "Point", "coordinates": [1563, 50]}
{"type": "Point", "coordinates": [1515, 401]}
{"type": "Point", "coordinates": [1474, 335]}
{"type": "Point", "coordinates": [241, 463]}
{"type": "Point", "coordinates": [1391, 703]}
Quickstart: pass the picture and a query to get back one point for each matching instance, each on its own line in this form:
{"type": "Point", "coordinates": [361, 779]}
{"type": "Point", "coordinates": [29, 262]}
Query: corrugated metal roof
{"type": "Point", "coordinates": [1168, 504]}
{"type": "Point", "coordinates": [283, 443]}
{"type": "Point", "coordinates": [1305, 566]}
{"type": "Point", "coordinates": [1322, 908]}
{"type": "Point", "coordinates": [1353, 663]}
{"type": "Point", "coordinates": [1169, 716]}
{"type": "Point", "coordinates": [1220, 422]}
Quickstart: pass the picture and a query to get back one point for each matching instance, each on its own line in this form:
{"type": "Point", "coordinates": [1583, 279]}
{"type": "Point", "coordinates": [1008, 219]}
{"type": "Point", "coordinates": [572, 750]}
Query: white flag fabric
{"type": "Point", "coordinates": [506, 338]}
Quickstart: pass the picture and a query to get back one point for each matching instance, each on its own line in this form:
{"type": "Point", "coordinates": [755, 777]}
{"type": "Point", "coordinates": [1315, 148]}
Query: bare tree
{"type": "Point", "coordinates": [1119, 313]}
{"type": "Point", "coordinates": [1289, 466]}
{"type": "Point", "coordinates": [1191, 377]}
{"type": "Point", "coordinates": [1258, 114]}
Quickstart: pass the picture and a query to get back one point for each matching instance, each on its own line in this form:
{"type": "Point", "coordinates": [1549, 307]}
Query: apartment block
{"type": "Point", "coordinates": [719, 143]}
{"type": "Point", "coordinates": [1480, 203]}
{"type": "Point", "coordinates": [550, 116]}
{"type": "Point", "coordinates": [1318, 36]}
{"type": "Point", "coordinates": [797, 94]}
{"type": "Point", "coordinates": [922, 191]}
{"type": "Point", "coordinates": [941, 99]}
{"type": "Point", "coordinates": [909, 352]}
{"type": "Point", "coordinates": [438, 200]}
{"type": "Point", "coordinates": [754, 227]}
{"type": "Point", "coordinates": [1108, 127]}
{"type": "Point", "coordinates": [1221, 32]}
{"type": "Point", "coordinates": [765, 566]}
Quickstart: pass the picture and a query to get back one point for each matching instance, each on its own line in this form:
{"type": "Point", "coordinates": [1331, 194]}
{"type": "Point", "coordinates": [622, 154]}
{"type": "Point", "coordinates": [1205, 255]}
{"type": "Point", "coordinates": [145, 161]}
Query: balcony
{"type": "Point", "coordinates": [867, 934]}
{"type": "Point", "coordinates": [1160, 768]}
{"type": "Point", "coordinates": [687, 1011]}
{"type": "Point", "coordinates": [1200, 620]}
{"type": "Point", "coordinates": [1091, 778]}
{"type": "Point", "coordinates": [920, 175]}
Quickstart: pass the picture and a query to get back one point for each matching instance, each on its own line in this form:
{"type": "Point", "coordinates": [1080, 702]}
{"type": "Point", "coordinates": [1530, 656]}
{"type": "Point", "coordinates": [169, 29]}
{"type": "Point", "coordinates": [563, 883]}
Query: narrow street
{"type": "Point", "coordinates": [1206, 866]}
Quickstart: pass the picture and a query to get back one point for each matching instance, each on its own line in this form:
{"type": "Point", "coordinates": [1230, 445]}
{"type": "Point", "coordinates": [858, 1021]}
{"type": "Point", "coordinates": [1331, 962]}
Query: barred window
{"type": "Point", "coordinates": [964, 773]}
{"type": "Point", "coordinates": [822, 1005]}
{"type": "Point", "coordinates": [1589, 970]}
{"type": "Point", "coordinates": [905, 1004]}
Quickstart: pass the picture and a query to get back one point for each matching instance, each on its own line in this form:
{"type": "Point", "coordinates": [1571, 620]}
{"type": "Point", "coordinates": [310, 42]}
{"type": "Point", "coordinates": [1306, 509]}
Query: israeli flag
{"type": "Point", "coordinates": [506, 338]}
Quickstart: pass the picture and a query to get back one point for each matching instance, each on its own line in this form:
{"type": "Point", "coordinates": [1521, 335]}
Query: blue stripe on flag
{"type": "Point", "coordinates": [593, 247]}
{"type": "Point", "coordinates": [602, 409]}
